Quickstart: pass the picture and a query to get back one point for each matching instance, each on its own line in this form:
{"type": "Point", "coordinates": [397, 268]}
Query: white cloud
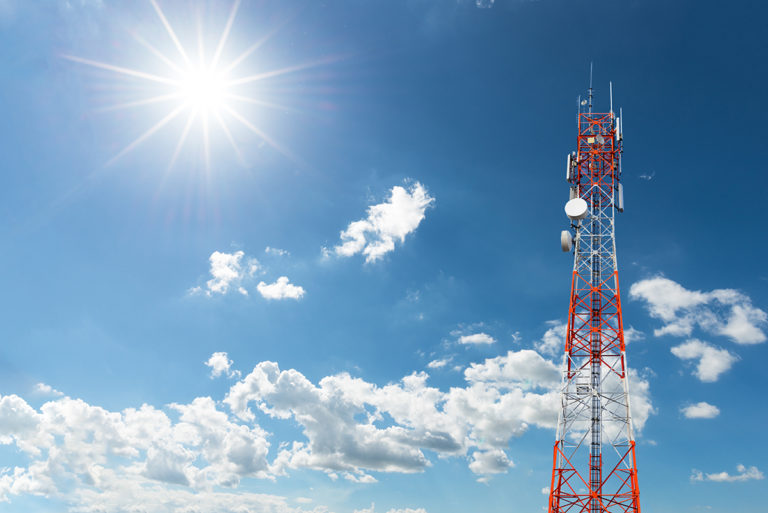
{"type": "Point", "coordinates": [101, 460]}
{"type": "Point", "coordinates": [372, 509]}
{"type": "Point", "coordinates": [276, 251]}
{"type": "Point", "coordinates": [220, 364]}
{"type": "Point", "coordinates": [744, 474]}
{"type": "Point", "coordinates": [476, 339]}
{"type": "Point", "coordinates": [281, 289]}
{"type": "Point", "coordinates": [525, 367]}
{"type": "Point", "coordinates": [712, 362]}
{"type": "Point", "coordinates": [724, 312]}
{"type": "Point", "coordinates": [700, 410]}
{"type": "Point", "coordinates": [631, 335]}
{"type": "Point", "coordinates": [43, 389]}
{"type": "Point", "coordinates": [386, 223]}
{"type": "Point", "coordinates": [484, 4]}
{"type": "Point", "coordinates": [494, 461]}
{"type": "Point", "coordinates": [553, 340]}
{"type": "Point", "coordinates": [440, 363]}
{"type": "Point", "coordinates": [228, 272]}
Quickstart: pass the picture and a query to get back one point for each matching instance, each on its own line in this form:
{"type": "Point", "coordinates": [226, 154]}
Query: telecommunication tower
{"type": "Point", "coordinates": [594, 468]}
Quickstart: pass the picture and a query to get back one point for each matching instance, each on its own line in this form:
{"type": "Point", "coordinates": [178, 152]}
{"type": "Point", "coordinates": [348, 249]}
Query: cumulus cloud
{"type": "Point", "coordinates": [712, 361]}
{"type": "Point", "coordinates": [228, 272]}
{"type": "Point", "coordinates": [725, 312]}
{"type": "Point", "coordinates": [102, 460]}
{"type": "Point", "coordinates": [386, 223]}
{"type": "Point", "coordinates": [700, 410]}
{"type": "Point", "coordinates": [525, 367]}
{"type": "Point", "coordinates": [494, 461]}
{"type": "Point", "coordinates": [553, 340]}
{"type": "Point", "coordinates": [744, 474]}
{"type": "Point", "coordinates": [220, 365]}
{"type": "Point", "coordinates": [476, 339]}
{"type": "Point", "coordinates": [281, 289]}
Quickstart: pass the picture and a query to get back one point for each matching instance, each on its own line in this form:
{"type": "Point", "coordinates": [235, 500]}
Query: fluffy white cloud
{"type": "Point", "coordinates": [354, 426]}
{"type": "Point", "coordinates": [700, 410]}
{"type": "Point", "coordinates": [712, 362]}
{"type": "Point", "coordinates": [386, 223]}
{"type": "Point", "coordinates": [228, 272]}
{"type": "Point", "coordinates": [100, 460]}
{"type": "Point", "coordinates": [494, 461]}
{"type": "Point", "coordinates": [744, 474]}
{"type": "Point", "coordinates": [220, 364]}
{"type": "Point", "coordinates": [525, 367]}
{"type": "Point", "coordinates": [281, 289]}
{"type": "Point", "coordinates": [553, 340]}
{"type": "Point", "coordinates": [724, 312]}
{"type": "Point", "coordinates": [476, 339]}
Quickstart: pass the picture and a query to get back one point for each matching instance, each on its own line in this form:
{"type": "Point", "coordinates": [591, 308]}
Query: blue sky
{"type": "Point", "coordinates": [355, 305]}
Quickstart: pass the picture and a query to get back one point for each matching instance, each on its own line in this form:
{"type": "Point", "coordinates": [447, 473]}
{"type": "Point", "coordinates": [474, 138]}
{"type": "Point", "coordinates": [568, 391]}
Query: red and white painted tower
{"type": "Point", "coordinates": [594, 468]}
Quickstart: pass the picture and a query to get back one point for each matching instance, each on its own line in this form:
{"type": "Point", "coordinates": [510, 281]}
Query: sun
{"type": "Point", "coordinates": [201, 88]}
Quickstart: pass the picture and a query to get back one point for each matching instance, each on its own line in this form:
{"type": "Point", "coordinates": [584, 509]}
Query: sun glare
{"type": "Point", "coordinates": [205, 90]}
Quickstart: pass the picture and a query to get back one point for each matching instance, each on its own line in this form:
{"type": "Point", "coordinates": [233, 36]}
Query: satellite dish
{"type": "Point", "coordinates": [576, 209]}
{"type": "Point", "coordinates": [566, 241]}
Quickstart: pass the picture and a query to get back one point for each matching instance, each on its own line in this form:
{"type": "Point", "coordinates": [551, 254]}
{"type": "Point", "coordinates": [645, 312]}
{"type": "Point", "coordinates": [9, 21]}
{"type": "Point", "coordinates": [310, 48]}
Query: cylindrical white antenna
{"type": "Point", "coordinates": [590, 88]}
{"type": "Point", "coordinates": [610, 88]}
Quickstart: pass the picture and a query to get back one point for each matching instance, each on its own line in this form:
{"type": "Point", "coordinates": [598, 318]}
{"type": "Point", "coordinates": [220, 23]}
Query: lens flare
{"type": "Point", "coordinates": [203, 89]}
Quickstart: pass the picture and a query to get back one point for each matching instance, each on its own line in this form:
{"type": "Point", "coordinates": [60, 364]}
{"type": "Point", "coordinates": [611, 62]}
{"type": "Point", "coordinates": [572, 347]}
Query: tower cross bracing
{"type": "Point", "coordinates": [594, 467]}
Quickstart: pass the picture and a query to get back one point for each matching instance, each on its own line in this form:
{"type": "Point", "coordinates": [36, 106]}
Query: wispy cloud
{"type": "Point", "coordinates": [46, 390]}
{"type": "Point", "coordinates": [276, 251]}
{"type": "Point", "coordinates": [743, 474]}
{"type": "Point", "coordinates": [476, 339]}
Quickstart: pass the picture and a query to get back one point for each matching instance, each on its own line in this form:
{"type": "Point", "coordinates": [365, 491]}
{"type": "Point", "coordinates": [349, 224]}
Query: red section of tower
{"type": "Point", "coordinates": [594, 468]}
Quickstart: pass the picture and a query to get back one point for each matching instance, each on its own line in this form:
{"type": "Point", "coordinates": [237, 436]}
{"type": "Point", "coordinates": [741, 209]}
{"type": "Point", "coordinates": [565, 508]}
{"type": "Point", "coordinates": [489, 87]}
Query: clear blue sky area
{"type": "Point", "coordinates": [318, 269]}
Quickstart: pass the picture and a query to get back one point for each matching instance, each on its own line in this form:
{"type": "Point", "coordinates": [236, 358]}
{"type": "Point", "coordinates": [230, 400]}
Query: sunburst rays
{"type": "Point", "coordinates": [204, 90]}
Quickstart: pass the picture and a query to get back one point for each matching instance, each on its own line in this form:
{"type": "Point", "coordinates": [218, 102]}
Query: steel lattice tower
{"type": "Point", "coordinates": [594, 468]}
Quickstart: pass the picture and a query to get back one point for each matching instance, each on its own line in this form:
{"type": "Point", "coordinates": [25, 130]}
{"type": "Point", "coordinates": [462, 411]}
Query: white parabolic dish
{"type": "Point", "coordinates": [576, 209]}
